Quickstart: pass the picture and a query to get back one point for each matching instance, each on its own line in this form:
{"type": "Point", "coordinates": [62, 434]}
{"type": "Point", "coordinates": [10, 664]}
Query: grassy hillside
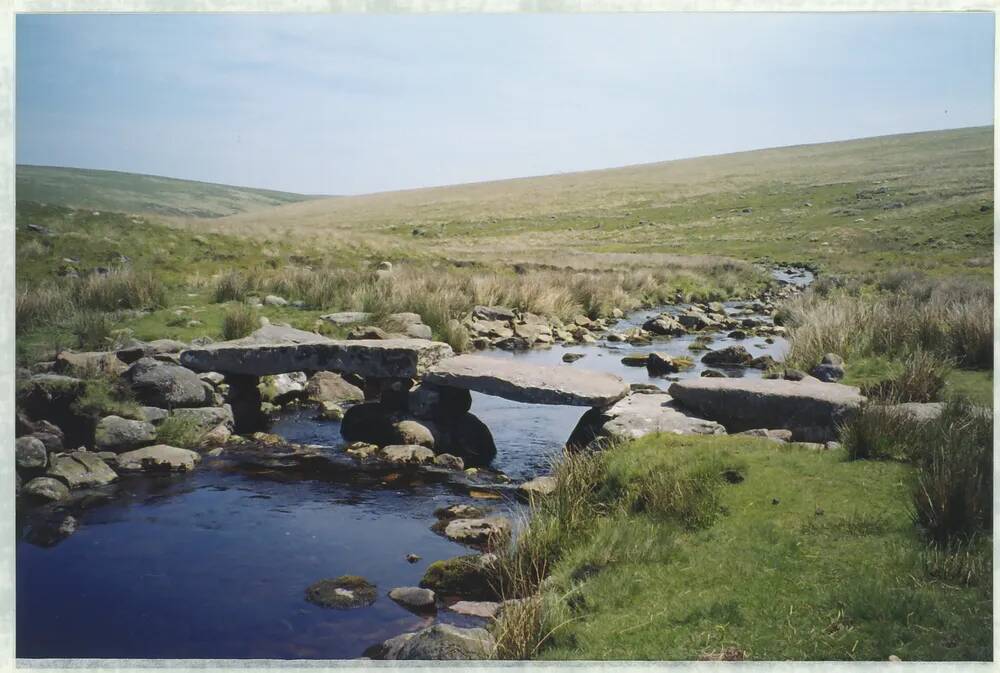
{"type": "Point", "coordinates": [920, 200]}
{"type": "Point", "coordinates": [147, 194]}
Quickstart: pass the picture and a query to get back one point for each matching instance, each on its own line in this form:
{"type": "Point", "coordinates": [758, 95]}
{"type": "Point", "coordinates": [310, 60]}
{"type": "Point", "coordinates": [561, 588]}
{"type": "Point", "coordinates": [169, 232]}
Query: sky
{"type": "Point", "coordinates": [348, 104]}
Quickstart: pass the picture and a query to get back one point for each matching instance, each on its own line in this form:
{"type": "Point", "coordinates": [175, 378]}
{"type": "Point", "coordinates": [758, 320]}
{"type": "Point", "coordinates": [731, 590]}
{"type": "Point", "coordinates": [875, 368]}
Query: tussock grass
{"type": "Point", "coordinates": [92, 329]}
{"type": "Point", "coordinates": [239, 321]}
{"type": "Point", "coordinates": [966, 562]}
{"type": "Point", "coordinates": [950, 319]}
{"type": "Point", "coordinates": [922, 378]}
{"type": "Point", "coordinates": [878, 432]}
{"type": "Point", "coordinates": [180, 431]}
{"type": "Point", "coordinates": [953, 496]}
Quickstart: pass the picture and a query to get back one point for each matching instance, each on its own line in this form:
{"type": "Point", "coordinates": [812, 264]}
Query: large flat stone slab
{"type": "Point", "coordinates": [809, 408]}
{"type": "Point", "coordinates": [277, 350]}
{"type": "Point", "coordinates": [531, 383]}
{"type": "Point", "coordinates": [638, 415]}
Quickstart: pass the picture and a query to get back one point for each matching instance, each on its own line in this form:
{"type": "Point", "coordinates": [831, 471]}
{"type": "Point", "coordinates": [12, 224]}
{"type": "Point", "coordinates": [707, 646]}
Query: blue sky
{"type": "Point", "coordinates": [342, 104]}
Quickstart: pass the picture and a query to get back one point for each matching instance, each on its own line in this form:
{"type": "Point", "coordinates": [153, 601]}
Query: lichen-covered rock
{"type": "Point", "coordinates": [206, 418]}
{"type": "Point", "coordinates": [30, 453]}
{"type": "Point", "coordinates": [459, 511]}
{"type": "Point", "coordinates": [730, 356]}
{"type": "Point", "coordinates": [484, 609]}
{"type": "Point", "coordinates": [543, 485]}
{"type": "Point", "coordinates": [407, 453]}
{"type": "Point", "coordinates": [80, 469]}
{"type": "Point", "coordinates": [638, 415]}
{"type": "Point", "coordinates": [440, 642]}
{"type": "Point", "coordinates": [117, 434]}
{"type": "Point", "coordinates": [344, 592]}
{"type": "Point", "coordinates": [448, 461]}
{"type": "Point", "coordinates": [46, 488]}
{"type": "Point", "coordinates": [478, 531]}
{"type": "Point", "coordinates": [161, 384]}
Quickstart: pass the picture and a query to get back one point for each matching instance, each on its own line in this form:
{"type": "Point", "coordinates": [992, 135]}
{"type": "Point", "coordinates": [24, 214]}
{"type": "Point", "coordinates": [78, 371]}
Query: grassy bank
{"type": "Point", "coordinates": [732, 547]}
{"type": "Point", "coordinates": [163, 282]}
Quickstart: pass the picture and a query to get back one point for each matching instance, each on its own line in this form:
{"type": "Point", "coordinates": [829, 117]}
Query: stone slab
{"type": "Point", "coordinates": [531, 383]}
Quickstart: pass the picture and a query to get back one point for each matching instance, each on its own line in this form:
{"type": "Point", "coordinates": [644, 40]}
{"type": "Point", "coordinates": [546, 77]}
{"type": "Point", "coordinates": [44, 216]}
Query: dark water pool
{"type": "Point", "coordinates": [215, 564]}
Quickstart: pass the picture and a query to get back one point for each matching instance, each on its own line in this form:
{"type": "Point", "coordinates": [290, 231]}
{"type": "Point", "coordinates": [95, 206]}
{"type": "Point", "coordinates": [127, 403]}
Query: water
{"type": "Point", "coordinates": [215, 564]}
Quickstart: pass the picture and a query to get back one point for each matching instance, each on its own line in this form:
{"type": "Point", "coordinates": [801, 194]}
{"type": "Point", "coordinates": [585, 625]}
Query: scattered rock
{"type": "Point", "coordinates": [275, 300]}
{"type": "Point", "coordinates": [413, 598]}
{"type": "Point", "coordinates": [117, 434]}
{"type": "Point", "coordinates": [407, 453]}
{"type": "Point", "coordinates": [167, 385]}
{"type": "Point", "coordinates": [459, 511]}
{"type": "Point", "coordinates": [46, 488]}
{"type": "Point", "coordinates": [158, 458]}
{"type": "Point", "coordinates": [79, 469]}
{"type": "Point", "coordinates": [440, 642]}
{"type": "Point", "coordinates": [572, 357]}
{"type": "Point", "coordinates": [779, 435]}
{"type": "Point", "coordinates": [477, 531]}
{"type": "Point", "coordinates": [730, 356]}
{"type": "Point", "coordinates": [449, 461]}
{"type": "Point", "coordinates": [763, 362]}
{"type": "Point", "coordinates": [484, 609]}
{"type": "Point", "coordinates": [713, 374]}
{"type": "Point", "coordinates": [636, 416]}
{"type": "Point", "coordinates": [30, 453]}
{"type": "Point", "coordinates": [412, 558]}
{"type": "Point", "coordinates": [331, 387]}
{"type": "Point", "coordinates": [468, 576]}
{"type": "Point", "coordinates": [635, 360]}
{"type": "Point", "coordinates": [828, 373]}
{"type": "Point", "coordinates": [660, 363]}
{"type": "Point", "coordinates": [361, 450]}
{"type": "Point", "coordinates": [344, 592]}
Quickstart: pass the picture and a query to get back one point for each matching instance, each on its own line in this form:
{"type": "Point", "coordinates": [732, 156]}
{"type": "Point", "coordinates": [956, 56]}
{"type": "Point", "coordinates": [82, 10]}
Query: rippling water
{"type": "Point", "coordinates": [215, 564]}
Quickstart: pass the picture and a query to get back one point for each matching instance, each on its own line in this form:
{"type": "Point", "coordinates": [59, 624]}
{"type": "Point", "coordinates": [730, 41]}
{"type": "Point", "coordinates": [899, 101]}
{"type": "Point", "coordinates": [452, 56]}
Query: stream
{"type": "Point", "coordinates": [215, 564]}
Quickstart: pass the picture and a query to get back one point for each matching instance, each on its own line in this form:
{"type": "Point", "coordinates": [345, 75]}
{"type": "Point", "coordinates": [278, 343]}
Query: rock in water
{"type": "Point", "coordinates": [810, 409]}
{"type": "Point", "coordinates": [331, 387]}
{"type": "Point", "coordinates": [159, 458]}
{"type": "Point", "coordinates": [407, 453]}
{"type": "Point", "coordinates": [484, 609]}
{"type": "Point", "coordinates": [730, 356]}
{"type": "Point", "coordinates": [477, 531]}
{"type": "Point", "coordinates": [344, 592]}
{"type": "Point", "coordinates": [117, 434]}
{"type": "Point", "coordinates": [46, 488]}
{"type": "Point", "coordinates": [413, 598]}
{"type": "Point", "coordinates": [471, 576]}
{"type": "Point", "coordinates": [81, 468]}
{"type": "Point", "coordinates": [440, 642]}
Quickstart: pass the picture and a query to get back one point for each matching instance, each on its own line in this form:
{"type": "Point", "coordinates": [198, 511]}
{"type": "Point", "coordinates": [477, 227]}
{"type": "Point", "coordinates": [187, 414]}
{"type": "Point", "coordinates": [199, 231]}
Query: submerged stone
{"type": "Point", "coordinates": [344, 592]}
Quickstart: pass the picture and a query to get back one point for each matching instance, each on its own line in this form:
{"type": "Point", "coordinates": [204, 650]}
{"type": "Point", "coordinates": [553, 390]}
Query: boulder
{"type": "Point", "coordinates": [117, 434]}
{"type": "Point", "coordinates": [153, 415]}
{"type": "Point", "coordinates": [731, 356]}
{"type": "Point", "coordinates": [448, 461]}
{"type": "Point", "coordinates": [638, 415]}
{"type": "Point", "coordinates": [477, 531]}
{"type": "Point", "coordinates": [664, 325]}
{"type": "Point", "coordinates": [158, 458]}
{"type": "Point", "coordinates": [275, 300]}
{"type": "Point", "coordinates": [418, 331]}
{"type": "Point", "coordinates": [80, 469]}
{"type": "Point", "coordinates": [281, 389]}
{"type": "Point", "coordinates": [413, 432]}
{"type": "Point", "coordinates": [713, 374]}
{"type": "Point", "coordinates": [808, 408]}
{"type": "Point", "coordinates": [346, 317]}
{"type": "Point", "coordinates": [46, 488]}
{"type": "Point", "coordinates": [30, 453]}
{"type": "Point", "coordinates": [331, 387]}
{"type": "Point", "coordinates": [440, 642]}
{"type": "Point", "coordinates": [660, 363]}
{"type": "Point", "coordinates": [367, 332]}
{"type": "Point", "coordinates": [53, 441]}
{"type": "Point", "coordinates": [635, 360]}
{"type": "Point", "coordinates": [414, 598]}
{"type": "Point", "coordinates": [828, 373]}
{"type": "Point", "coordinates": [207, 418]}
{"type": "Point", "coordinates": [344, 592]}
{"type": "Point", "coordinates": [471, 576]}
{"type": "Point", "coordinates": [572, 357]}
{"type": "Point", "coordinates": [83, 364]}
{"type": "Point", "coordinates": [434, 402]}
{"type": "Point", "coordinates": [536, 384]}
{"type": "Point", "coordinates": [920, 412]}
{"type": "Point", "coordinates": [166, 385]}
{"type": "Point", "coordinates": [407, 453]}
{"type": "Point", "coordinates": [763, 362]}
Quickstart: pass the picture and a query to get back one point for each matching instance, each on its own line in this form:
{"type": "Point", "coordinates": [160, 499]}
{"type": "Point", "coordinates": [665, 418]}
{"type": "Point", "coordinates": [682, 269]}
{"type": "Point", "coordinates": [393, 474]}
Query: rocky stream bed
{"type": "Point", "coordinates": [221, 560]}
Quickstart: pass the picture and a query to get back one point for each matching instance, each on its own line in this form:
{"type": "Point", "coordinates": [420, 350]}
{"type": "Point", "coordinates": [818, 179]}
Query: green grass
{"type": "Point", "coordinates": [977, 385]}
{"type": "Point", "coordinates": [809, 557]}
{"type": "Point", "coordinates": [133, 193]}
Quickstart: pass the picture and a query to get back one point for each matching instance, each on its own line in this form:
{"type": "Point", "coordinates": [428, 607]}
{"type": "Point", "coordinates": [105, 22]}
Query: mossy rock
{"type": "Point", "coordinates": [344, 592]}
{"type": "Point", "coordinates": [465, 576]}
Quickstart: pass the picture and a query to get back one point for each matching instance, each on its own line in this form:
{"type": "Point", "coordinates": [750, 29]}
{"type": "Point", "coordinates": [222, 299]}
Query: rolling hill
{"type": "Point", "coordinates": [920, 199]}
{"type": "Point", "coordinates": [144, 194]}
